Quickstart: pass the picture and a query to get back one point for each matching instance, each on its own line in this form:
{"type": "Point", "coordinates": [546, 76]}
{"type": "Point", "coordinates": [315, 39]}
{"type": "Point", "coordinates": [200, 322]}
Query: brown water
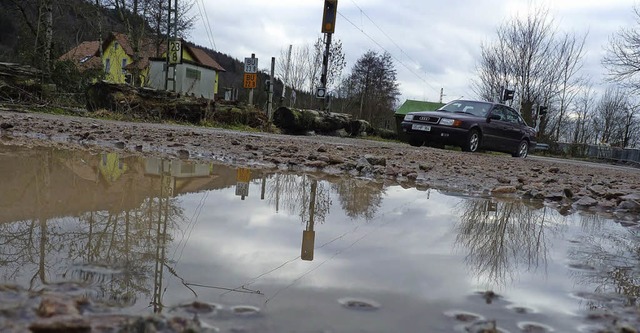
{"type": "Point", "coordinates": [278, 252]}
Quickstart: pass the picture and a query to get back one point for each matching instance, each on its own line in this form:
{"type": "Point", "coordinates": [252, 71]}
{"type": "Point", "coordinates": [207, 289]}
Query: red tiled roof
{"type": "Point", "coordinates": [84, 55]}
{"type": "Point", "coordinates": [202, 57]}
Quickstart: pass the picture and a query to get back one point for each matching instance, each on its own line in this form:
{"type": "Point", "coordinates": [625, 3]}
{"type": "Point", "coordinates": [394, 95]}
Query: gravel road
{"type": "Point", "coordinates": [613, 192]}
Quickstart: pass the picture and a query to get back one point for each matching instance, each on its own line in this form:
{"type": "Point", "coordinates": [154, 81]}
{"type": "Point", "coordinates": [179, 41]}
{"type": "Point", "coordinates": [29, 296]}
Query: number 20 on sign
{"type": "Point", "coordinates": [250, 80]}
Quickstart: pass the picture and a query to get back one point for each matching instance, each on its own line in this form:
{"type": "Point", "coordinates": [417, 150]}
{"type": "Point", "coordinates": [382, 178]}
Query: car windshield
{"type": "Point", "coordinates": [479, 109]}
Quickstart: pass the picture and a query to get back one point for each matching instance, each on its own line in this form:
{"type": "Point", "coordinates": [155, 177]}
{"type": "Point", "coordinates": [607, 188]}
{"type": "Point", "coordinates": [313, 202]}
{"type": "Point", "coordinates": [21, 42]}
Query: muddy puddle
{"type": "Point", "coordinates": [266, 251]}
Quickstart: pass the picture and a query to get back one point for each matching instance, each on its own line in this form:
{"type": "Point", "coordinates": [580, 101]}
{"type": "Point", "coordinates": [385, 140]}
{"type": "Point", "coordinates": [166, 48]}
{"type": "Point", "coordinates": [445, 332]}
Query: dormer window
{"type": "Point", "coordinates": [85, 59]}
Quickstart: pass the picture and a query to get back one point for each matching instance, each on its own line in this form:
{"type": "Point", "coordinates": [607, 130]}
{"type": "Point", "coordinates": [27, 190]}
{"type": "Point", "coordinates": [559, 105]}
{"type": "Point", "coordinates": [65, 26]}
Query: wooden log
{"type": "Point", "coordinates": [301, 121]}
{"type": "Point", "coordinates": [146, 103]}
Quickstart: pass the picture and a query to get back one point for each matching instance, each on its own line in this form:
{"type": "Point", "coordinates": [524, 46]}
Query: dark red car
{"type": "Point", "coordinates": [472, 125]}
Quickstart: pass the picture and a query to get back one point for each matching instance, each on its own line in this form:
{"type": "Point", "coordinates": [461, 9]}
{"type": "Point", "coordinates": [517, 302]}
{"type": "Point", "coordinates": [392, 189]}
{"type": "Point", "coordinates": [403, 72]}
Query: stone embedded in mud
{"type": "Point", "coordinates": [119, 145]}
{"type": "Point", "coordinates": [333, 159]}
{"type": "Point", "coordinates": [504, 190]}
{"type": "Point", "coordinates": [322, 149]}
{"type": "Point", "coordinates": [376, 160]}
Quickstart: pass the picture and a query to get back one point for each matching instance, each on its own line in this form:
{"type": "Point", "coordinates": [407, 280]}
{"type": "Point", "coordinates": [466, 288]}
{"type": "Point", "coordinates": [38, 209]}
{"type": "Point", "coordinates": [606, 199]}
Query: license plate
{"type": "Point", "coordinates": [419, 127]}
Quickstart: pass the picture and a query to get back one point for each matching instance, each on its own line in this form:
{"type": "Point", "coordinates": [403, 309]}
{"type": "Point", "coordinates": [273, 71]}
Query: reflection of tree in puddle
{"type": "Point", "coordinates": [303, 195]}
{"type": "Point", "coordinates": [503, 236]}
{"type": "Point", "coordinates": [310, 198]}
{"type": "Point", "coordinates": [607, 256]}
{"type": "Point", "coordinates": [118, 241]}
{"type": "Point", "coordinates": [359, 197]}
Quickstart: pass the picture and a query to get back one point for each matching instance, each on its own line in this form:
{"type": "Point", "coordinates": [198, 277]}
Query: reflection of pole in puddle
{"type": "Point", "coordinates": [242, 182]}
{"type": "Point", "coordinates": [309, 235]}
{"type": "Point", "coordinates": [166, 189]}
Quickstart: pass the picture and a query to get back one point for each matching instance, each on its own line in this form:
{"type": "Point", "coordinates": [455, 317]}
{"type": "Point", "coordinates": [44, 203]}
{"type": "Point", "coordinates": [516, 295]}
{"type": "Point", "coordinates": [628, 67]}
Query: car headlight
{"type": "Point", "coordinates": [447, 121]}
{"type": "Point", "coordinates": [408, 117]}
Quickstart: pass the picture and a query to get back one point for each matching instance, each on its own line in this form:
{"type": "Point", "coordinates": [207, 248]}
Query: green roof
{"type": "Point", "coordinates": [413, 106]}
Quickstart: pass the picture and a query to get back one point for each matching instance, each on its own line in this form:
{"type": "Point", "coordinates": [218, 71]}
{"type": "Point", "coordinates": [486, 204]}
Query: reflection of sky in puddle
{"type": "Point", "coordinates": [416, 254]}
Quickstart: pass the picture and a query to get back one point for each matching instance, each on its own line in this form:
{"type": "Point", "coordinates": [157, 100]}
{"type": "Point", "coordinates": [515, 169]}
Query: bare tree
{"type": "Point", "coordinates": [610, 116]}
{"type": "Point", "coordinates": [621, 57]}
{"type": "Point", "coordinates": [530, 57]}
{"type": "Point", "coordinates": [583, 109]}
{"type": "Point", "coordinates": [299, 67]}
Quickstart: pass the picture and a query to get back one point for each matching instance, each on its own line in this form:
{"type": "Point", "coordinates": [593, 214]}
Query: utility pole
{"type": "Point", "coordinates": [286, 75]}
{"type": "Point", "coordinates": [271, 83]}
{"type": "Point", "coordinates": [441, 94]}
{"type": "Point", "coordinates": [172, 35]}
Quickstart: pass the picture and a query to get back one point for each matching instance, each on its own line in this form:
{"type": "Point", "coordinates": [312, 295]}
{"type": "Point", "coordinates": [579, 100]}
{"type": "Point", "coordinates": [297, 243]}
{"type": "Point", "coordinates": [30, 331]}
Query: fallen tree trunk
{"type": "Point", "coordinates": [300, 121]}
{"type": "Point", "coordinates": [146, 103]}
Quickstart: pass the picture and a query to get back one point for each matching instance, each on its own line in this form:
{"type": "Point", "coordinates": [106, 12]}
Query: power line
{"type": "Point", "coordinates": [207, 26]}
{"type": "Point", "coordinates": [393, 56]}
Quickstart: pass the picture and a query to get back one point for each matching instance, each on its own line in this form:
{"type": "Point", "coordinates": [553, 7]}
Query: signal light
{"type": "Point", "coordinates": [507, 94]}
{"type": "Point", "coordinates": [542, 110]}
{"type": "Point", "coordinates": [329, 16]}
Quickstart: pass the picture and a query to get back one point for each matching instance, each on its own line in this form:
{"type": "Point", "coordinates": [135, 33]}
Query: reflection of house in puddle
{"type": "Point", "coordinates": [183, 176]}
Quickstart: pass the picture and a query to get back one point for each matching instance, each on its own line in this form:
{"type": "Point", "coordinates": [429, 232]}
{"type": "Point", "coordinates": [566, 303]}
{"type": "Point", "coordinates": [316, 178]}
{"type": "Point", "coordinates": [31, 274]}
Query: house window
{"type": "Point", "coordinates": [107, 65]}
{"type": "Point", "coordinates": [115, 46]}
{"type": "Point", "coordinates": [193, 74]}
{"type": "Point", "coordinates": [124, 64]}
{"type": "Point", "coordinates": [85, 59]}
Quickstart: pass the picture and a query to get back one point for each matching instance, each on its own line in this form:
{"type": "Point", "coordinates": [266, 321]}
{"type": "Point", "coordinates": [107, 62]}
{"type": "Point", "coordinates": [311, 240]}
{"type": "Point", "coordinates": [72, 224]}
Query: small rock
{"type": "Point", "coordinates": [183, 154]}
{"type": "Point", "coordinates": [322, 149]}
{"type": "Point", "coordinates": [316, 164]}
{"type": "Point", "coordinates": [119, 145]}
{"type": "Point", "coordinates": [412, 175]}
{"type": "Point", "coordinates": [139, 148]}
{"type": "Point", "coordinates": [554, 170]}
{"type": "Point", "coordinates": [340, 148]}
{"type": "Point", "coordinates": [503, 180]}
{"type": "Point", "coordinates": [5, 126]}
{"type": "Point", "coordinates": [235, 142]}
{"type": "Point", "coordinates": [630, 205]}
{"type": "Point", "coordinates": [554, 196]}
{"type": "Point", "coordinates": [55, 306]}
{"type": "Point", "coordinates": [633, 196]}
{"type": "Point", "coordinates": [425, 167]}
{"type": "Point", "coordinates": [335, 159]}
{"type": "Point", "coordinates": [376, 160]}
{"type": "Point", "coordinates": [568, 193]}
{"type": "Point", "coordinates": [504, 190]}
{"type": "Point", "coordinates": [587, 202]}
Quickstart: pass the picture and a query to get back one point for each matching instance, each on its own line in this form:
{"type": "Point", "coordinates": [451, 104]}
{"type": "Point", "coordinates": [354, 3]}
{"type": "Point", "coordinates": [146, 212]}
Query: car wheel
{"type": "Point", "coordinates": [523, 149]}
{"type": "Point", "coordinates": [415, 141]}
{"type": "Point", "coordinates": [473, 141]}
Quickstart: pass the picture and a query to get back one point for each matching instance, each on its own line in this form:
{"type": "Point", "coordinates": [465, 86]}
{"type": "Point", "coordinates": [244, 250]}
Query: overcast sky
{"type": "Point", "coordinates": [436, 44]}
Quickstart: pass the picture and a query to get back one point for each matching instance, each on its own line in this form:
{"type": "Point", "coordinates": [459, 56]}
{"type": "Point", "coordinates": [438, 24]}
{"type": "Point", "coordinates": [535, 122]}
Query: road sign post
{"type": "Point", "coordinates": [250, 75]}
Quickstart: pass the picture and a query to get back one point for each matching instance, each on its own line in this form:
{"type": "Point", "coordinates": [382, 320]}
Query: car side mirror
{"type": "Point", "coordinates": [494, 117]}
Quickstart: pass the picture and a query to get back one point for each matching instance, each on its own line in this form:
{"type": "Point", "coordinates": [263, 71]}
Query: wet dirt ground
{"type": "Point", "coordinates": [609, 192]}
{"type": "Point", "coordinates": [565, 186]}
